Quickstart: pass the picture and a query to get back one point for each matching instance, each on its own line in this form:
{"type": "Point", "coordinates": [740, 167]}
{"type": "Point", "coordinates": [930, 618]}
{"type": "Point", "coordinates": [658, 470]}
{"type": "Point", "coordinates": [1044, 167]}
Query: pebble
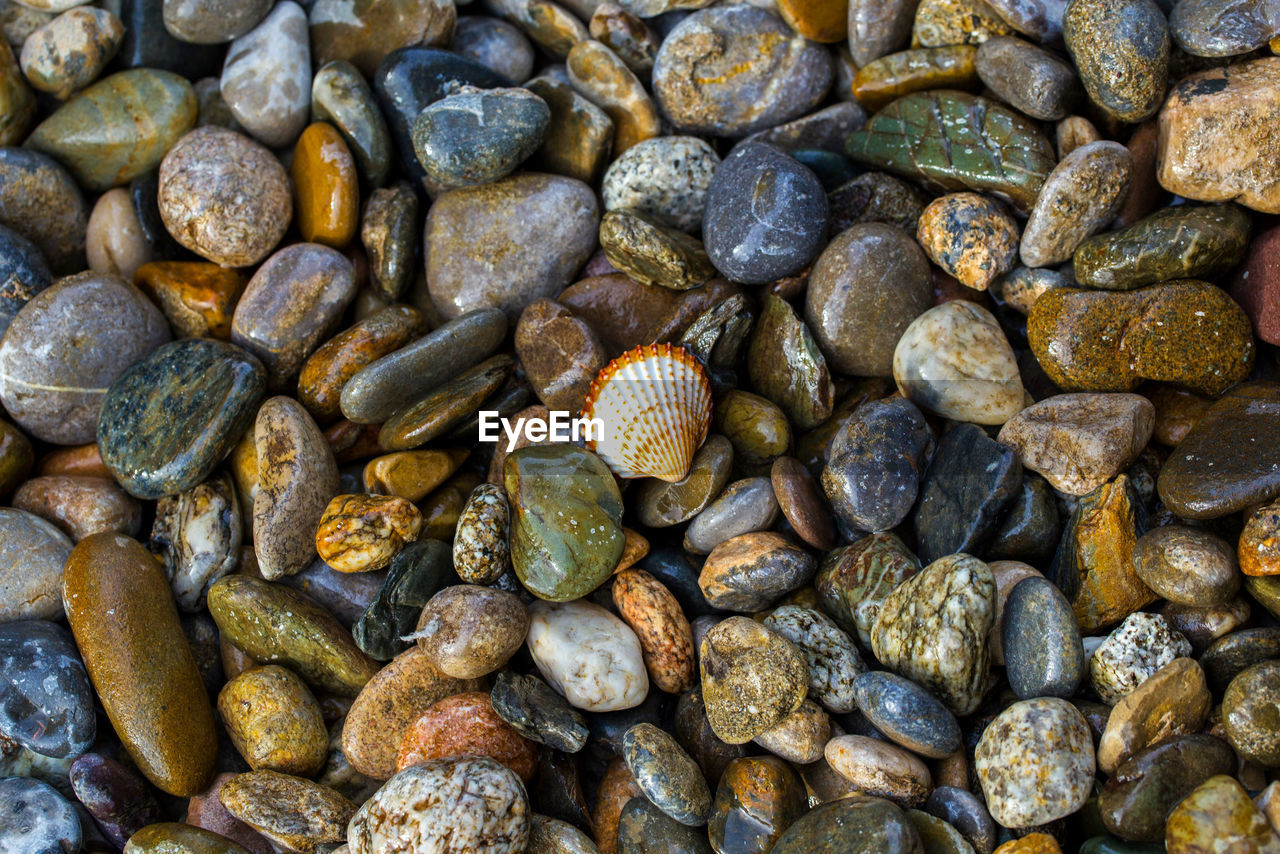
{"type": "Point", "coordinates": [908, 714]}
{"type": "Point", "coordinates": [786, 366]}
{"type": "Point", "coordinates": [643, 828]}
{"type": "Point", "coordinates": [766, 213]}
{"type": "Point", "coordinates": [799, 497]}
{"type": "Point", "coordinates": [34, 552]}
{"type": "Point", "coordinates": [879, 82]}
{"type": "Point", "coordinates": [79, 505]}
{"type": "Point", "coordinates": [1035, 762]}
{"type": "Point", "coordinates": [1248, 714]}
{"type": "Point", "coordinates": [955, 361]}
{"type": "Point", "coordinates": [1189, 333]}
{"type": "Point", "coordinates": [876, 197]}
{"type": "Point", "coordinates": [1187, 566]}
{"type": "Point", "coordinates": [756, 432]}
{"type": "Point", "coordinates": [341, 96]}
{"type": "Point", "coordinates": [40, 201]}
{"type": "Point", "coordinates": [970, 237]}
{"type": "Point", "coordinates": [215, 23]}
{"type": "Point", "coordinates": [1219, 814]}
{"type": "Point", "coordinates": [834, 662]}
{"type": "Point", "coordinates": [66, 346]}
{"type": "Point", "coordinates": [600, 76]}
{"type": "Point", "coordinates": [470, 631]}
{"type": "Point", "coordinates": [508, 243]}
{"type": "Point", "coordinates": [293, 813]}
{"type": "Point", "coordinates": [274, 721]}
{"type": "Point", "coordinates": [162, 838]}
{"type": "Point", "coordinates": [757, 799]}
{"type": "Point", "coordinates": [1040, 641]}
{"type": "Point", "coordinates": [800, 736]}
{"type": "Point", "coordinates": [666, 775]}
{"type": "Point", "coordinates": [653, 254]}
{"type": "Point", "coordinates": [1136, 800]}
{"type": "Point", "coordinates": [1027, 77]}
{"type": "Point", "coordinates": [666, 178]}
{"type": "Point", "coordinates": [553, 836]}
{"type": "Point", "coordinates": [1081, 196]}
{"type": "Point", "coordinates": [876, 29]}
{"type": "Point", "coordinates": [266, 76]}
{"type": "Point", "coordinates": [415, 574]}
{"type": "Point", "coordinates": [325, 190]}
{"type": "Point", "coordinates": [23, 274]}
{"type": "Point", "coordinates": [435, 806]}
{"type": "Point", "coordinates": [37, 818]}
{"type": "Point", "coordinates": [588, 655]}
{"type": "Point", "coordinates": [224, 196]}
{"type": "Point", "coordinates": [963, 811]}
{"type": "Point", "coordinates": [666, 640]}
{"type": "Point", "coordinates": [858, 825]}
{"type": "Point", "coordinates": [853, 581]}
{"type": "Point", "coordinates": [537, 712]}
{"type": "Point", "coordinates": [364, 34]}
{"type": "Point", "coordinates": [580, 137]}
{"type": "Point", "coordinates": [496, 44]}
{"type": "Point", "coordinates": [116, 796]}
{"type": "Point", "coordinates": [197, 297]}
{"type": "Point", "coordinates": [467, 725]}
{"type": "Point", "coordinates": [48, 707]}
{"type": "Point", "coordinates": [140, 665]}
{"type": "Point", "coordinates": [1080, 441]}
{"type": "Point", "coordinates": [1126, 79]}
{"type": "Point", "coordinates": [1246, 94]}
{"type": "Point", "coordinates": [326, 372]}
{"type": "Point", "coordinates": [69, 52]}
{"type": "Point", "coordinates": [940, 22]}
{"type": "Point", "coordinates": [1174, 701]}
{"type": "Point", "coordinates": [195, 394]}
{"type": "Point", "coordinates": [880, 770]}
{"type": "Point", "coordinates": [17, 102]}
{"type": "Point", "coordinates": [362, 533]}
{"type": "Point", "coordinates": [114, 240]}
{"type": "Point", "coordinates": [750, 571]}
{"type": "Point", "coordinates": [752, 679]}
{"type": "Point", "coordinates": [476, 137]}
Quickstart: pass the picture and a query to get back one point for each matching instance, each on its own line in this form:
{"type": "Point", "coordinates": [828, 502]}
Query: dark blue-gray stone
{"type": "Point", "coordinates": [1042, 648]}
{"type": "Point", "coordinates": [672, 567]}
{"type": "Point", "coordinates": [907, 713]}
{"type": "Point", "coordinates": [42, 202]}
{"type": "Point", "coordinates": [970, 481]}
{"type": "Point", "coordinates": [853, 825]}
{"type": "Point", "coordinates": [35, 819]}
{"type": "Point", "coordinates": [47, 703]}
{"type": "Point", "coordinates": [411, 79]}
{"type": "Point", "coordinates": [666, 774]}
{"type": "Point", "coordinates": [876, 461]}
{"type": "Point", "coordinates": [963, 811]}
{"type": "Point", "coordinates": [23, 274]}
{"type": "Point", "coordinates": [1031, 527]}
{"type": "Point", "coordinates": [766, 215]}
{"type": "Point", "coordinates": [645, 829]}
{"type": "Point", "coordinates": [148, 44]}
{"type": "Point", "coordinates": [417, 572]}
{"type": "Point", "coordinates": [1230, 655]}
{"type": "Point", "coordinates": [169, 419]}
{"type": "Point", "coordinates": [475, 137]}
{"type": "Point", "coordinates": [538, 712]}
{"type": "Point", "coordinates": [341, 96]}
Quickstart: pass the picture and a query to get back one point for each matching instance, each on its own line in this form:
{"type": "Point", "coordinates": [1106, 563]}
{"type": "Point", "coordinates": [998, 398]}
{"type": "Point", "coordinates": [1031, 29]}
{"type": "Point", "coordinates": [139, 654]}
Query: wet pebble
{"type": "Point", "coordinates": [48, 707]}
{"type": "Point", "coordinates": [970, 237]}
{"type": "Point", "coordinates": [908, 714]}
{"type": "Point", "coordinates": [37, 818]}
{"type": "Point", "coordinates": [588, 655]}
{"type": "Point", "coordinates": [1041, 643]}
{"type": "Point", "coordinates": [752, 678]}
{"type": "Point", "coordinates": [666, 178]}
{"type": "Point", "coordinates": [538, 712]}
{"type": "Point", "coordinates": [266, 76]}
{"type": "Point", "coordinates": [274, 721]}
{"type": "Point", "coordinates": [466, 725]}
{"type": "Point", "coordinates": [69, 52]}
{"type": "Point", "coordinates": [1126, 78]}
{"type": "Point", "coordinates": [1080, 197]}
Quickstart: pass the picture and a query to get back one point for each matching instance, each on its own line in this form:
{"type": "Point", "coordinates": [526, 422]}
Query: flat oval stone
{"type": "Point", "coordinates": [856, 825]}
{"type": "Point", "coordinates": [1081, 196]}
{"type": "Point", "coordinates": [66, 346]}
{"type": "Point", "coordinates": [292, 812]}
{"type": "Point", "coordinates": [1121, 50]}
{"type": "Point", "coordinates": [80, 505]}
{"type": "Point", "coordinates": [161, 838]}
{"type": "Point", "coordinates": [1219, 814]}
{"type": "Point", "coordinates": [446, 407]}
{"type": "Point", "coordinates": [508, 243]}
{"type": "Point", "coordinates": [666, 774]}
{"type": "Point", "coordinates": [70, 51]}
{"type": "Point", "coordinates": [274, 624]}
{"type": "Point", "coordinates": [603, 78]}
{"type": "Point", "coordinates": [192, 400]}
{"type": "Point", "coordinates": [327, 370]}
{"type": "Point", "coordinates": [1035, 762]}
{"type": "Point", "coordinates": [643, 828]}
{"type": "Point", "coordinates": [476, 137]}
{"type": "Point", "coordinates": [266, 79]}
{"type": "Point", "coordinates": [1174, 701]}
{"type": "Point", "coordinates": [752, 679]}
{"type": "Point", "coordinates": [141, 667]}
{"type": "Point", "coordinates": [588, 655]}
{"type": "Point", "coordinates": [36, 552]}
{"type": "Point", "coordinates": [1136, 799]}
{"type": "Point", "coordinates": [879, 769]}
{"type": "Point", "coordinates": [882, 80]}
{"type": "Point", "coordinates": [37, 818]}
{"type": "Point", "coordinates": [471, 631]}
{"type": "Point", "coordinates": [666, 178]}
{"type": "Point", "coordinates": [970, 237]}
{"type": "Point", "coordinates": [48, 707]}
{"type": "Point", "coordinates": [341, 96]}
{"type": "Point", "coordinates": [119, 128]}
{"type": "Point", "coordinates": [964, 812]}
{"type": "Point", "coordinates": [908, 714]}
{"type": "Point", "coordinates": [1187, 566]}
{"type": "Point", "coordinates": [854, 313]}
{"type": "Point", "coordinates": [224, 196]}
{"type": "Point", "coordinates": [213, 23]}
{"type": "Point", "coordinates": [763, 74]}
{"type": "Point", "coordinates": [40, 201]}
{"type": "Point", "coordinates": [1043, 653]}
{"type": "Point", "coordinates": [745, 506]}
{"type": "Point", "coordinates": [666, 639]}
{"type": "Point", "coordinates": [766, 215]}
{"type": "Point", "coordinates": [364, 33]}
{"type": "Point", "coordinates": [750, 571]}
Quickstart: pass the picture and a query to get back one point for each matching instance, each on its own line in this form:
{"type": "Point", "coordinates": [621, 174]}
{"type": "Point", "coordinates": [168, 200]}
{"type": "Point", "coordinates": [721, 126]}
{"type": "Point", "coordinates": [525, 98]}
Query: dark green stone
{"type": "Point", "coordinates": [652, 253]}
{"type": "Point", "coordinates": [1031, 527]}
{"type": "Point", "coordinates": [907, 713]}
{"type": "Point", "coordinates": [340, 96]}
{"type": "Point", "coordinates": [970, 481]}
{"type": "Point", "coordinates": [757, 800]}
{"type": "Point", "coordinates": [787, 367]}
{"type": "Point", "coordinates": [853, 825]}
{"type": "Point", "coordinates": [169, 419]}
{"type": "Point", "coordinates": [476, 137]}
{"type": "Point", "coordinates": [566, 520]}
{"type": "Point", "coordinates": [417, 573]}
{"type": "Point", "coordinates": [955, 141]}
{"type": "Point", "coordinates": [833, 170]}
{"type": "Point", "coordinates": [538, 712]}
{"type": "Point", "coordinates": [445, 407]}
{"type": "Point", "coordinates": [1137, 798]}
{"type": "Point", "coordinates": [1042, 649]}
{"type": "Point", "coordinates": [853, 581]}
{"type": "Point", "coordinates": [1184, 242]}
{"type": "Point", "coordinates": [645, 829]}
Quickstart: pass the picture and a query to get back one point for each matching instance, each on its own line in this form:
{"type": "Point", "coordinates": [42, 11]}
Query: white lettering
{"type": "Point", "coordinates": [489, 423]}
{"type": "Point", "coordinates": [513, 433]}
{"type": "Point", "coordinates": [535, 430]}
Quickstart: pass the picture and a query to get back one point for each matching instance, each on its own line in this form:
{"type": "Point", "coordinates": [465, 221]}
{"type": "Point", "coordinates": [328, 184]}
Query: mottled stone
{"type": "Point", "coordinates": [1081, 196]}
{"type": "Point", "coordinates": [834, 662]}
{"type": "Point", "coordinates": [908, 714]}
{"type": "Point", "coordinates": [1027, 77]}
{"type": "Point", "coordinates": [470, 631]}
{"type": "Point", "coordinates": [266, 79]}
{"type": "Point", "coordinates": [879, 769]}
{"type": "Point", "coordinates": [467, 725]}
{"type": "Point", "coordinates": [1249, 713]}
{"type": "Point", "coordinates": [1121, 49]}
{"type": "Point", "coordinates": [212, 23]}
{"type": "Point", "coordinates": [876, 197]}
{"type": "Point", "coordinates": [758, 798]}
{"type": "Point", "coordinates": [197, 297]}
{"type": "Point", "coordinates": [599, 75]}
{"type": "Point", "coordinates": [69, 52]}
{"type": "Point", "coordinates": [33, 553]}
{"type": "Point", "coordinates": [970, 237]}
{"type": "Point", "coordinates": [37, 818]}
{"type": "Point", "coordinates": [1137, 798]}
{"type": "Point", "coordinates": [881, 81]}
{"type": "Point", "coordinates": [969, 482]}
{"type": "Point", "coordinates": [295, 814]}
{"type": "Point", "coordinates": [80, 505]}
{"type": "Point", "coordinates": [667, 776]}
{"type": "Point", "coordinates": [23, 274]}
{"type": "Point", "coordinates": [756, 432]}
{"type": "Point", "coordinates": [1187, 566]}
{"type": "Point", "coordinates": [653, 254]}
{"type": "Point", "coordinates": [588, 655]}
{"type": "Point", "coordinates": [478, 136]}
{"type": "Point", "coordinates": [752, 678]}
{"type": "Point", "coordinates": [750, 571]}
{"type": "Point", "coordinates": [666, 640]}
{"type": "Point", "coordinates": [857, 825]}
{"type": "Point", "coordinates": [177, 838]}
{"type": "Point", "coordinates": [1174, 701]}
{"type": "Point", "coordinates": [579, 140]}
{"type": "Point", "coordinates": [274, 721]}
{"type": "Point", "coordinates": [853, 581]}
{"type": "Point", "coordinates": [1218, 815]}
{"type": "Point", "coordinates": [538, 712]}
{"type": "Point", "coordinates": [341, 96]}
{"type": "Point", "coordinates": [666, 178]}
{"type": "Point", "coordinates": [40, 201]}
{"type": "Point", "coordinates": [48, 707]}
{"type": "Point", "coordinates": [17, 101]}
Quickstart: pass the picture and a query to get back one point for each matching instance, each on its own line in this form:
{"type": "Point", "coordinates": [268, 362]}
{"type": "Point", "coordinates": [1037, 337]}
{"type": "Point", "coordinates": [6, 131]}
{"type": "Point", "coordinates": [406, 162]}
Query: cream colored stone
{"type": "Point", "coordinates": [113, 241]}
{"type": "Point", "coordinates": [880, 769]}
{"type": "Point", "coordinates": [588, 655]}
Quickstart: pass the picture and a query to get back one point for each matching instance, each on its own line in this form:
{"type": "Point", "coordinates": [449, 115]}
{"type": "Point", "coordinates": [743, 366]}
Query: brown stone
{"type": "Point", "coordinates": [471, 631]}
{"type": "Point", "coordinates": [600, 76]}
{"type": "Point", "coordinates": [362, 533]}
{"type": "Point", "coordinates": [617, 787]}
{"type": "Point", "coordinates": [1256, 284]}
{"type": "Point", "coordinates": [1174, 701]}
{"type": "Point", "coordinates": [78, 460]}
{"type": "Point", "coordinates": [560, 354]}
{"type": "Point", "coordinates": [198, 297]}
{"type": "Point", "coordinates": [327, 370]}
{"type": "Point", "coordinates": [442, 508]}
{"type": "Point", "coordinates": [1259, 547]}
{"type": "Point", "coordinates": [325, 189]}
{"type": "Point", "coordinates": [802, 502]}
{"type": "Point", "coordinates": [411, 475]}
{"type": "Point", "coordinates": [1145, 193]}
{"type": "Point", "coordinates": [817, 20]}
{"type": "Point", "coordinates": [1177, 411]}
{"type": "Point", "coordinates": [666, 640]}
{"type": "Point", "coordinates": [949, 67]}
{"type": "Point", "coordinates": [207, 812]}
{"type": "Point", "coordinates": [81, 505]}
{"type": "Point", "coordinates": [364, 33]}
{"type": "Point", "coordinates": [466, 725]}
{"type": "Point", "coordinates": [114, 242]}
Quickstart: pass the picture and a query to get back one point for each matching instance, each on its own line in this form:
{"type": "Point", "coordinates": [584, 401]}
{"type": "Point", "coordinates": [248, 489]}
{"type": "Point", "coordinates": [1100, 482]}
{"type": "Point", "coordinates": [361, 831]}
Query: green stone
{"type": "Point", "coordinates": [1136, 799]}
{"type": "Point", "coordinates": [169, 419]}
{"type": "Point", "coordinates": [118, 128]}
{"type": "Point", "coordinates": [417, 573]}
{"type": "Point", "coordinates": [954, 141]}
{"type": "Point", "coordinates": [757, 430]}
{"type": "Point", "coordinates": [566, 525]}
{"type": "Point", "coordinates": [787, 367]}
{"type": "Point", "coordinates": [853, 581]}
{"type": "Point", "coordinates": [176, 838]}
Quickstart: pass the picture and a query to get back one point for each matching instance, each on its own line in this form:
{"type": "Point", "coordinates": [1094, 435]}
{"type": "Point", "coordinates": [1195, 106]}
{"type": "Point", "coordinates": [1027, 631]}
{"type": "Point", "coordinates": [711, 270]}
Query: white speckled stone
{"type": "Point", "coordinates": [266, 79]}
{"type": "Point", "coordinates": [1035, 762]}
{"type": "Point", "coordinates": [1133, 653]}
{"type": "Point", "coordinates": [955, 361]}
{"type": "Point", "coordinates": [588, 655]}
{"type": "Point", "coordinates": [666, 177]}
{"type": "Point", "coordinates": [198, 534]}
{"type": "Point", "coordinates": [1080, 197]}
{"type": "Point", "coordinates": [480, 550]}
{"type": "Point", "coordinates": [834, 662]}
{"type": "Point", "coordinates": [471, 805]}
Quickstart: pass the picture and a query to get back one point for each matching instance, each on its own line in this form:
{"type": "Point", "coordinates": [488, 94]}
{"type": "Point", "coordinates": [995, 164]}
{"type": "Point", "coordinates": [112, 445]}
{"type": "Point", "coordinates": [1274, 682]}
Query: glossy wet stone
{"type": "Point", "coordinates": [666, 774]}
{"type": "Point", "coordinates": [747, 572]}
{"type": "Point", "coordinates": [115, 795]}
{"type": "Point", "coordinates": [1188, 332]}
{"type": "Point", "coordinates": [48, 707]}
{"type": "Point", "coordinates": [652, 253]}
{"type": "Point", "coordinates": [538, 712]}
{"type": "Point", "coordinates": [466, 724]}
{"type": "Point", "coordinates": [1137, 798]}
{"type": "Point", "coordinates": [142, 668]}
{"type": "Point", "coordinates": [786, 366]}
{"type": "Point", "coordinates": [964, 812]}
{"type": "Point", "coordinates": [274, 721]}
{"type": "Point", "coordinates": [475, 137]}
{"type": "Point", "coordinates": [40, 201]}
{"type": "Point", "coordinates": [361, 533]}
{"type": "Point", "coordinates": [834, 662]}
{"type": "Point", "coordinates": [37, 818]}
{"type": "Point", "coordinates": [752, 678]}
{"type": "Point", "coordinates": [879, 769]}
{"type": "Point", "coordinates": [1174, 701]}
{"type": "Point", "coordinates": [224, 196]}
{"type": "Point", "coordinates": [162, 837]}
{"type": "Point", "coordinates": [787, 221]}
{"type": "Point", "coordinates": [882, 80]}
{"type": "Point", "coordinates": [758, 798]}
{"type": "Point", "coordinates": [294, 813]}
{"type": "Point", "coordinates": [891, 438]}
{"type": "Point", "coordinates": [1041, 642]}
{"type": "Point", "coordinates": [1188, 566]}
{"type": "Point", "coordinates": [654, 614]}
{"type": "Point", "coordinates": [857, 825]}
{"type": "Point", "coordinates": [70, 52]}
{"type": "Point", "coordinates": [853, 581]}
{"type": "Point", "coordinates": [471, 631]}
{"type": "Point", "coordinates": [969, 482]}
{"type": "Point", "coordinates": [970, 237]}
{"type": "Point", "coordinates": [1126, 79]}
{"type": "Point", "coordinates": [757, 431]}
{"type": "Point", "coordinates": [662, 504]}
{"type": "Point", "coordinates": [643, 828]}
{"type": "Point", "coordinates": [580, 137]}
{"type": "Point", "coordinates": [1033, 80]}
{"type": "Point", "coordinates": [1081, 196]}
{"type": "Point", "coordinates": [324, 184]}
{"type": "Point", "coordinates": [265, 79]}
{"type": "Point", "coordinates": [363, 34]}
{"type": "Point", "coordinates": [907, 714]}
{"type": "Point", "coordinates": [876, 197]}
{"type": "Point", "coordinates": [1218, 814]}
{"type": "Point", "coordinates": [341, 96]}
{"type": "Point", "coordinates": [1249, 712]}
{"type": "Point", "coordinates": [80, 505]}
{"type": "Point", "coordinates": [416, 573]}
{"type": "Point", "coordinates": [588, 655]}
{"type": "Point", "coordinates": [197, 297]}
{"type": "Point", "coordinates": [973, 147]}
{"type": "Point", "coordinates": [35, 552]}
{"type": "Point", "coordinates": [114, 240]}
{"type": "Point", "coordinates": [53, 381]}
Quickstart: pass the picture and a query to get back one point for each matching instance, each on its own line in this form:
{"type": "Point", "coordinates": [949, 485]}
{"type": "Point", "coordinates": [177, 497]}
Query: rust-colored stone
{"type": "Point", "coordinates": [467, 725]}
{"type": "Point", "coordinates": [666, 640]}
{"type": "Point", "coordinates": [198, 297]}
{"type": "Point", "coordinates": [327, 370]}
{"type": "Point", "coordinates": [325, 187]}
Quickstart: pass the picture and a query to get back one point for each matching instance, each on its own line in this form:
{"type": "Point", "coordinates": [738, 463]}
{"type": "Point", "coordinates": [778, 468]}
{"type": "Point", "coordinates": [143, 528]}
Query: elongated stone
{"type": "Point", "coordinates": [341, 96]}
{"type": "Point", "coordinates": [881, 81]}
{"type": "Point", "coordinates": [1081, 196]}
{"type": "Point", "coordinates": [266, 79]}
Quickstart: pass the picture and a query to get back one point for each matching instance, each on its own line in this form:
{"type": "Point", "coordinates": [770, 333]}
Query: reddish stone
{"type": "Point", "coordinates": [1256, 284]}
{"type": "Point", "coordinates": [467, 725]}
{"type": "Point", "coordinates": [207, 812]}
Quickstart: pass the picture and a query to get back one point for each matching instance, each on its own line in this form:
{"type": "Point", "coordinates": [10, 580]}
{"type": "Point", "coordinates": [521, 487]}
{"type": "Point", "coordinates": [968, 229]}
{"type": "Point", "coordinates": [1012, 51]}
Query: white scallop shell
{"type": "Point", "coordinates": [654, 408]}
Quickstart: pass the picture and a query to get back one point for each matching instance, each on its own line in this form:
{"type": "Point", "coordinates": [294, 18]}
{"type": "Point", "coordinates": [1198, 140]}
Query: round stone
{"type": "Point", "coordinates": [1121, 50]}
{"type": "Point", "coordinates": [479, 136]}
{"type": "Point", "coordinates": [37, 818]}
{"type": "Point", "coordinates": [1187, 566]}
{"type": "Point", "coordinates": [907, 714]}
{"type": "Point", "coordinates": [666, 178]}
{"type": "Point", "coordinates": [70, 51]}
{"type": "Point", "coordinates": [834, 662]}
{"type": "Point", "coordinates": [213, 23]}
{"type": "Point", "coordinates": [752, 678]}
{"type": "Point", "coordinates": [467, 725]}
{"type": "Point", "coordinates": [362, 533]}
{"type": "Point", "coordinates": [1035, 762]}
{"type": "Point", "coordinates": [274, 721]}
{"type": "Point", "coordinates": [588, 655]}
{"type": "Point", "coordinates": [80, 505]}
{"type": "Point", "coordinates": [470, 631]}
{"type": "Point", "coordinates": [30, 584]}
{"type": "Point", "coordinates": [48, 707]}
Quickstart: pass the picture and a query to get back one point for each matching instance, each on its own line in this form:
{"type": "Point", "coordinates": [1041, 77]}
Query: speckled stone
{"type": "Point", "coordinates": [48, 707]}
{"type": "Point", "coordinates": [955, 361]}
{"type": "Point", "coordinates": [588, 655]}
{"type": "Point", "coordinates": [66, 346]}
{"type": "Point", "coordinates": [266, 77]}
{"type": "Point", "coordinates": [1040, 641]}
{"type": "Point", "coordinates": [295, 814]}
{"type": "Point", "coordinates": [34, 552]}
{"type": "Point", "coordinates": [480, 551]}
{"type": "Point", "coordinates": [1035, 762]}
{"type": "Point", "coordinates": [834, 662]}
{"type": "Point", "coordinates": [362, 533]}
{"type": "Point", "coordinates": [470, 631]}
{"type": "Point", "coordinates": [908, 714]}
{"type": "Point", "coordinates": [761, 75]}
{"type": "Point", "coordinates": [69, 52]}
{"type": "Point", "coordinates": [666, 178]}
{"type": "Point", "coordinates": [766, 214]}
{"type": "Point", "coordinates": [1135, 801]}
{"type": "Point", "coordinates": [23, 274]}
{"type": "Point", "coordinates": [800, 736]}
{"type": "Point", "coordinates": [652, 253]}
{"type": "Point", "coordinates": [853, 581]}
{"type": "Point", "coordinates": [1080, 197]}
{"type": "Point", "coordinates": [933, 629]}
{"type": "Point", "coordinates": [1126, 77]}
{"type": "Point", "coordinates": [1219, 815]}
{"type": "Point", "coordinates": [942, 22]}
{"type": "Point", "coordinates": [17, 101]}
{"type": "Point", "coordinates": [752, 679]}
{"type": "Point", "coordinates": [758, 798]}
{"type": "Point", "coordinates": [666, 640]}
{"type": "Point", "coordinates": [1174, 701]}
{"type": "Point", "coordinates": [751, 571]}
{"type": "Point", "coordinates": [37, 818]}
{"type": "Point", "coordinates": [1249, 713]}
{"type": "Point", "coordinates": [224, 196]}
{"type": "Point", "coordinates": [274, 721]}
{"type": "Point", "coordinates": [970, 237]}
{"type": "Point", "coordinates": [40, 201]}
{"type": "Point", "coordinates": [857, 825]}
{"type": "Point", "coordinates": [478, 136]}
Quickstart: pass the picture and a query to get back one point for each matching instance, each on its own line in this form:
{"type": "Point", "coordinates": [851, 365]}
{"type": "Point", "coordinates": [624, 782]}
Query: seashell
{"type": "Point", "coordinates": [654, 402]}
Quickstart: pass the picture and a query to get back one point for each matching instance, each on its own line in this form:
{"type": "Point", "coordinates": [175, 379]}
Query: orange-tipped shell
{"type": "Point", "coordinates": [654, 407]}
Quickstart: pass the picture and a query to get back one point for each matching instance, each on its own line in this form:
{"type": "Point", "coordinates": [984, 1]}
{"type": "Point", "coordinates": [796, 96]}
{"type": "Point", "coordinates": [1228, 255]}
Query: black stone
{"type": "Point", "coordinates": [608, 728]}
{"type": "Point", "coordinates": [907, 713]}
{"type": "Point", "coordinates": [148, 44]}
{"type": "Point", "coordinates": [645, 829]}
{"type": "Point", "coordinates": [1042, 648]}
{"type": "Point", "coordinates": [963, 811]}
{"type": "Point", "coordinates": [537, 712]}
{"type": "Point", "coordinates": [23, 274]}
{"type": "Point", "coordinates": [144, 192]}
{"type": "Point", "coordinates": [417, 572]}
{"type": "Point", "coordinates": [766, 215]}
{"type": "Point", "coordinates": [1031, 526]}
{"type": "Point", "coordinates": [673, 568]}
{"type": "Point", "coordinates": [970, 481]}
{"type": "Point", "coordinates": [47, 703]}
{"type": "Point", "coordinates": [1230, 655]}
{"type": "Point", "coordinates": [854, 825]}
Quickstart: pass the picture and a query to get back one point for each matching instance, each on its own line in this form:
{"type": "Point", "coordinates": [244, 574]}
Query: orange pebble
{"type": "Point", "coordinates": [466, 724]}
{"type": "Point", "coordinates": [325, 188]}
